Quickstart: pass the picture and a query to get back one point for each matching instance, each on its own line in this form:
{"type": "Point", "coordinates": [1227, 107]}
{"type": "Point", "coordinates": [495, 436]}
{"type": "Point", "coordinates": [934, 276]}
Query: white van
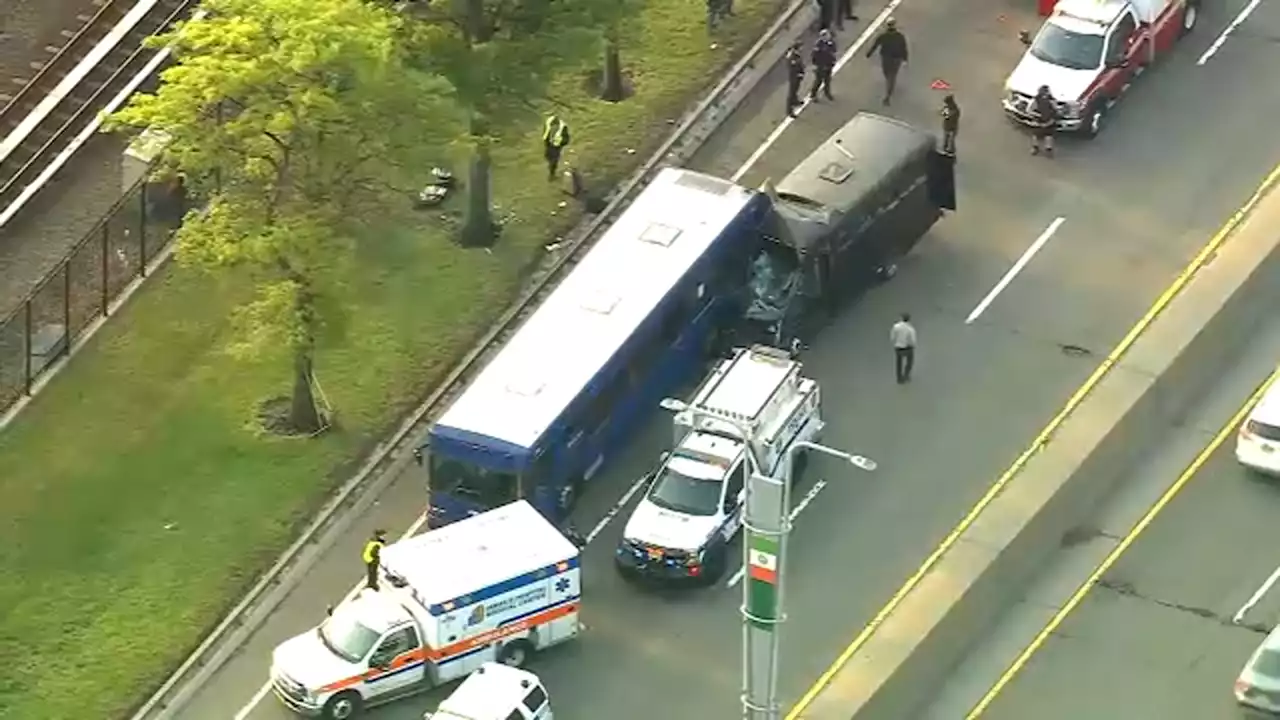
{"type": "Point", "coordinates": [496, 692]}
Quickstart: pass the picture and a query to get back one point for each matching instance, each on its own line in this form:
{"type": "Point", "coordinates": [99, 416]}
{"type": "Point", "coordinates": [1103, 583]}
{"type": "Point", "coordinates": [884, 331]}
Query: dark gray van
{"type": "Point", "coordinates": [841, 221]}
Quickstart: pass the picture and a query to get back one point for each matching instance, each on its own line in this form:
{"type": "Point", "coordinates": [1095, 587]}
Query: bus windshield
{"type": "Point", "coordinates": [488, 488]}
{"type": "Point", "coordinates": [1059, 46]}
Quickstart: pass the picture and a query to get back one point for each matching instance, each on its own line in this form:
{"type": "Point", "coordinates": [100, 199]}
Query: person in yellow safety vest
{"type": "Point", "coordinates": [372, 557]}
{"type": "Point", "coordinates": [555, 136]}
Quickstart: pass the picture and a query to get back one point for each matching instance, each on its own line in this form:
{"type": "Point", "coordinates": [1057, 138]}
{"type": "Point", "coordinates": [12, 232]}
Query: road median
{"type": "Point", "coordinates": [1149, 383]}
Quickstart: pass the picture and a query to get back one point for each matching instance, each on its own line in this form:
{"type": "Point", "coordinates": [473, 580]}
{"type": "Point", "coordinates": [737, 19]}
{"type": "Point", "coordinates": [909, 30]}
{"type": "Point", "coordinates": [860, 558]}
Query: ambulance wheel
{"type": "Point", "coordinates": [343, 706]}
{"type": "Point", "coordinates": [1095, 119]}
{"type": "Point", "coordinates": [515, 653]}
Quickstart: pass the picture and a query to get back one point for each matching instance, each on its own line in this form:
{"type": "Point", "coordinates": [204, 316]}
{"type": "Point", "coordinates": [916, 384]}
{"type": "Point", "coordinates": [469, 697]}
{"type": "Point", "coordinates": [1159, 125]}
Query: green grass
{"type": "Point", "coordinates": [136, 504]}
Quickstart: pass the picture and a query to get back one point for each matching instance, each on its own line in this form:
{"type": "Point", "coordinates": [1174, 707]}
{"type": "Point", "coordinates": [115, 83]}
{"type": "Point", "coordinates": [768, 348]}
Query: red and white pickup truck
{"type": "Point", "coordinates": [1089, 51]}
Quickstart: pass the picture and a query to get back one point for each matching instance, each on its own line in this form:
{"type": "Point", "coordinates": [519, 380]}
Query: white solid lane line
{"type": "Point", "coordinates": [1217, 44]}
{"type": "Point", "coordinates": [844, 60]}
{"type": "Point", "coordinates": [1257, 596]}
{"type": "Point", "coordinates": [755, 157]}
{"type": "Point", "coordinates": [617, 508]}
{"type": "Point", "coordinates": [1017, 268]}
{"type": "Point", "coordinates": [804, 503]}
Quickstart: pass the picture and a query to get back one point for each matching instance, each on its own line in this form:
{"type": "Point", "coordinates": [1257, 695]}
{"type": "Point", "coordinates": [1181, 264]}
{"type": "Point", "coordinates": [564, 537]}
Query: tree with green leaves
{"type": "Point", "coordinates": [297, 120]}
{"type": "Point", "coordinates": [500, 56]}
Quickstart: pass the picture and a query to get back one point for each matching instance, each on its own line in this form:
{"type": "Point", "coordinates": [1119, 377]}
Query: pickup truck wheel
{"type": "Point", "coordinates": [1094, 120]}
{"type": "Point", "coordinates": [800, 464]}
{"type": "Point", "coordinates": [515, 653]}
{"type": "Point", "coordinates": [717, 564]}
{"type": "Point", "coordinates": [344, 706]}
{"type": "Point", "coordinates": [1189, 18]}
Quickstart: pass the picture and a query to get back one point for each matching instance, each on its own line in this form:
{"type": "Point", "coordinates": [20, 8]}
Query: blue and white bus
{"type": "Point", "coordinates": [637, 317]}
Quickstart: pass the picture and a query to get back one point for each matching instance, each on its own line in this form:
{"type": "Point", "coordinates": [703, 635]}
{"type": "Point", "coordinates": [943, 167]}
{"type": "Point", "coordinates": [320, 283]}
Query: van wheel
{"type": "Point", "coordinates": [343, 706]}
{"type": "Point", "coordinates": [515, 653]}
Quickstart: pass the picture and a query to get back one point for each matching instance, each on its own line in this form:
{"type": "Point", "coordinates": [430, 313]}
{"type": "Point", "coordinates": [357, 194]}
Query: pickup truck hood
{"type": "Point", "coordinates": [652, 524]}
{"type": "Point", "coordinates": [306, 660]}
{"type": "Point", "coordinates": [1067, 85]}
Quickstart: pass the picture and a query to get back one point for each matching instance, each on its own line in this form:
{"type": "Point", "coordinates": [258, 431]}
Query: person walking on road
{"type": "Point", "coordinates": [795, 74]}
{"type": "Point", "coordinates": [950, 124]}
{"type": "Point", "coordinates": [823, 58]}
{"type": "Point", "coordinates": [903, 337]}
{"type": "Point", "coordinates": [892, 46]}
{"type": "Point", "coordinates": [844, 11]}
{"type": "Point", "coordinates": [555, 136]}
{"type": "Point", "coordinates": [1044, 110]}
{"type": "Point", "coordinates": [373, 558]}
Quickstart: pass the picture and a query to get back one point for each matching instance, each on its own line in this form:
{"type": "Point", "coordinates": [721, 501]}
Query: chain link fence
{"type": "Point", "coordinates": [84, 286]}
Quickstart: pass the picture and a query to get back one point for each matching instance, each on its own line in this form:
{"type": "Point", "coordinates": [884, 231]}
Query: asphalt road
{"type": "Point", "coordinates": [1157, 637]}
{"type": "Point", "coordinates": [1185, 150]}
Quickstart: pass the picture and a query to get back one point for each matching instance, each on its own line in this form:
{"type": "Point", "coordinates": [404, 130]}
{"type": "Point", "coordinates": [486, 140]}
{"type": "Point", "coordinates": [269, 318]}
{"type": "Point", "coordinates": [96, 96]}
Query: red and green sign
{"type": "Point", "coordinates": [762, 569]}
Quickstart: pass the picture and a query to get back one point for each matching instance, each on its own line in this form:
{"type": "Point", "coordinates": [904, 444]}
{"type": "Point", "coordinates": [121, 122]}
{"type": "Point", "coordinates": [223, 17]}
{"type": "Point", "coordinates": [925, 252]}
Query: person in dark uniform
{"type": "Point", "coordinates": [844, 11]}
{"type": "Point", "coordinates": [373, 557]}
{"type": "Point", "coordinates": [826, 11]}
{"type": "Point", "coordinates": [950, 124]}
{"type": "Point", "coordinates": [555, 136]}
{"type": "Point", "coordinates": [823, 58]}
{"type": "Point", "coordinates": [892, 46]}
{"type": "Point", "coordinates": [1044, 110]}
{"type": "Point", "coordinates": [795, 74]}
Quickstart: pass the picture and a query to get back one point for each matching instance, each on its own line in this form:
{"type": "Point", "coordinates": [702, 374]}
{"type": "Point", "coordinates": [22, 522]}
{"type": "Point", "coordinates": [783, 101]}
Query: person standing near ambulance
{"type": "Point", "coordinates": [372, 557]}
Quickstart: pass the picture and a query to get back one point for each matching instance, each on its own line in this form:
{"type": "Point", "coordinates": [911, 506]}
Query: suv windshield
{"type": "Point", "coordinates": [1059, 46]}
{"type": "Point", "coordinates": [347, 638]}
{"type": "Point", "coordinates": [488, 488]}
{"type": "Point", "coordinates": [681, 493]}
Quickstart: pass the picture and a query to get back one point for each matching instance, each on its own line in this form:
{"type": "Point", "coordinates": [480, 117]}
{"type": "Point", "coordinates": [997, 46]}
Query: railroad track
{"type": "Point", "coordinates": [46, 117]}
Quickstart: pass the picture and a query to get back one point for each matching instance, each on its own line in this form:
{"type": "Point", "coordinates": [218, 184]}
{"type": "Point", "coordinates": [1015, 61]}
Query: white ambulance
{"type": "Point", "coordinates": [496, 586]}
{"type": "Point", "coordinates": [496, 692]}
{"type": "Point", "coordinates": [683, 527]}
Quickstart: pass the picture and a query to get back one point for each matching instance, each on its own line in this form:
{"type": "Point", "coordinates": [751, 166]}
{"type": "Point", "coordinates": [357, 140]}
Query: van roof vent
{"type": "Point", "coordinates": [836, 172]}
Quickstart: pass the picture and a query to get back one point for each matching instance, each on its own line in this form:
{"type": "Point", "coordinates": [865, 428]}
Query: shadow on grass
{"type": "Point", "coordinates": [136, 502]}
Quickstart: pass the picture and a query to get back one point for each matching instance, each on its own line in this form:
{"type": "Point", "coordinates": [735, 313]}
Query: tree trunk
{"type": "Point", "coordinates": [611, 89]}
{"type": "Point", "coordinates": [303, 416]}
{"type": "Point", "coordinates": [478, 229]}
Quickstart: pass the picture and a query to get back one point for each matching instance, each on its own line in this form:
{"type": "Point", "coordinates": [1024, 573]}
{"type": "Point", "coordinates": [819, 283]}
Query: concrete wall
{"type": "Point", "coordinates": [1177, 358]}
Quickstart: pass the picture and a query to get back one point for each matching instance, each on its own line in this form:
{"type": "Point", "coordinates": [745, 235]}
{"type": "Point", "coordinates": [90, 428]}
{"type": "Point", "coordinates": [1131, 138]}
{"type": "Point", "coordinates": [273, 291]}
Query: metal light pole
{"type": "Point", "coordinates": [768, 525]}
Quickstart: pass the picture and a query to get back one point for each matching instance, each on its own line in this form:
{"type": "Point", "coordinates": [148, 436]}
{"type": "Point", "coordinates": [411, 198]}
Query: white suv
{"type": "Point", "coordinates": [1258, 444]}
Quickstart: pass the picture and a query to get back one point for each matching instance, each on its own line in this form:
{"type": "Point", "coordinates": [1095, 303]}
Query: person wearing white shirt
{"type": "Point", "coordinates": [903, 337]}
